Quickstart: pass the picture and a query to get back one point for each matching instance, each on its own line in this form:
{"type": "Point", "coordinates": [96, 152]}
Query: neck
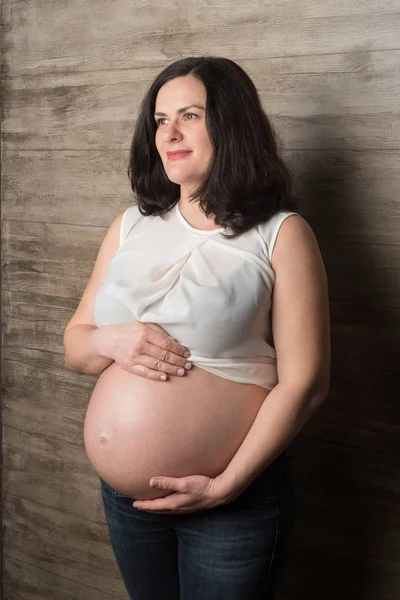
{"type": "Point", "coordinates": [193, 214]}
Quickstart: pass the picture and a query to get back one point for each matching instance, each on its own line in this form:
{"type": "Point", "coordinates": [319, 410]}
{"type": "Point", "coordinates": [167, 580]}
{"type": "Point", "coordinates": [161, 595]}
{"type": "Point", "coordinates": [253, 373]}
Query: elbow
{"type": "Point", "coordinates": [67, 364]}
{"type": "Point", "coordinates": [326, 384]}
{"type": "Point", "coordinates": [314, 387]}
{"type": "Point", "coordinates": [314, 399]}
{"type": "Point", "coordinates": [67, 358]}
{"type": "Point", "coordinates": [314, 391]}
{"type": "Point", "coordinates": [322, 395]}
{"type": "Point", "coordinates": [319, 384]}
{"type": "Point", "coordinates": [321, 392]}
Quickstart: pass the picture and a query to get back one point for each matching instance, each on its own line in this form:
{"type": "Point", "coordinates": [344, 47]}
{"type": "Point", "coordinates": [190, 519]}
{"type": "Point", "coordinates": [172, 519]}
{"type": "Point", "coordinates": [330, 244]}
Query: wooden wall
{"type": "Point", "coordinates": [73, 75]}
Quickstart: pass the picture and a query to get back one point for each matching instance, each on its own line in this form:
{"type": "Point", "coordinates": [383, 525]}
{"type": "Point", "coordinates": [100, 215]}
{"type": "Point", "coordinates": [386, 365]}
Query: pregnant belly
{"type": "Point", "coordinates": [136, 428]}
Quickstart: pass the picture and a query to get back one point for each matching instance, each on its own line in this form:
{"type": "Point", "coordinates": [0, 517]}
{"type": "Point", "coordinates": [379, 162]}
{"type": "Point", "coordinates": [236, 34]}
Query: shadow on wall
{"type": "Point", "coordinates": [344, 541]}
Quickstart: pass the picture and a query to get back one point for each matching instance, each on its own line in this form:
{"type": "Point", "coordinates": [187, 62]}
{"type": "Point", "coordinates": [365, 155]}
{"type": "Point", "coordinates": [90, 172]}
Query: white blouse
{"type": "Point", "coordinates": [211, 294]}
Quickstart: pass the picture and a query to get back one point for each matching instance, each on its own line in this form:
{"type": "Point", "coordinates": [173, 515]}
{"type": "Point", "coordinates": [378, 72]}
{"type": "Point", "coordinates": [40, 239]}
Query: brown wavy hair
{"type": "Point", "coordinates": [247, 181]}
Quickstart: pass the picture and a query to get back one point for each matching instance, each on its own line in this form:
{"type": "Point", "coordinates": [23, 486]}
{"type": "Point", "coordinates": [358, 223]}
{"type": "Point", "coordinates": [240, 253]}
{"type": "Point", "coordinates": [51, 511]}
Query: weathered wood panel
{"type": "Point", "coordinates": [347, 512]}
{"type": "Point", "coordinates": [330, 100]}
{"type": "Point", "coordinates": [348, 187]}
{"type": "Point", "coordinates": [64, 36]}
{"type": "Point", "coordinates": [27, 580]}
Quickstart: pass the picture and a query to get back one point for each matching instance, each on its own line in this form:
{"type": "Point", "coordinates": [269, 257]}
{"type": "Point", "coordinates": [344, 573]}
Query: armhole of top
{"type": "Point", "coordinates": [276, 227]}
{"type": "Point", "coordinates": [130, 217]}
{"type": "Point", "coordinates": [122, 229]}
{"type": "Point", "coordinates": [268, 231]}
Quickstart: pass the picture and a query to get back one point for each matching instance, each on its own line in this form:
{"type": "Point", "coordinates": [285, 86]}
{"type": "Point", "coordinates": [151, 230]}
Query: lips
{"type": "Point", "coordinates": [178, 154]}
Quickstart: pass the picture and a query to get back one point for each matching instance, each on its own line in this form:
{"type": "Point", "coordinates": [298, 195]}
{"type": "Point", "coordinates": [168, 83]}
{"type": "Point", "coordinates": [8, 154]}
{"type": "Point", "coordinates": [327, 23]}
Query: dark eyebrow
{"type": "Point", "coordinates": [180, 110]}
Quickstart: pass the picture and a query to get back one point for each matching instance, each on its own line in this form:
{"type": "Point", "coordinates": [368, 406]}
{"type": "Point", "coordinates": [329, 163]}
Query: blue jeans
{"type": "Point", "coordinates": [233, 551]}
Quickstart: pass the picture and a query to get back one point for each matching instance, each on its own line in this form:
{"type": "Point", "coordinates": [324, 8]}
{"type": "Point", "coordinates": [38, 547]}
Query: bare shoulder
{"type": "Point", "coordinates": [300, 306]}
{"type": "Point", "coordinates": [295, 241]}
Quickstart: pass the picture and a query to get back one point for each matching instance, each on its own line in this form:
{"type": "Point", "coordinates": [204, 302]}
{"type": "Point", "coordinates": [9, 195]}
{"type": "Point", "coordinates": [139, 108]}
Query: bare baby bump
{"type": "Point", "coordinates": [136, 428]}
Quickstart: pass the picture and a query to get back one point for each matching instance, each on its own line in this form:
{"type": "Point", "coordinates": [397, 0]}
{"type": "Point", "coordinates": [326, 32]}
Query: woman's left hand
{"type": "Point", "coordinates": [189, 494]}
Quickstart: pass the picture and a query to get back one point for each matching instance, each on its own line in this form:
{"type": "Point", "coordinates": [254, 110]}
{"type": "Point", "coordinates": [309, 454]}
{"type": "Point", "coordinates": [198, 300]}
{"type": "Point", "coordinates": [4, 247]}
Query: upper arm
{"type": "Point", "coordinates": [300, 307]}
{"type": "Point", "coordinates": [84, 313]}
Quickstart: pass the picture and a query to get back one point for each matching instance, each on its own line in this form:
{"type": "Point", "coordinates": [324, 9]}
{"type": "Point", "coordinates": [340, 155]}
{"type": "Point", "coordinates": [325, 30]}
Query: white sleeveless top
{"type": "Point", "coordinates": [211, 294]}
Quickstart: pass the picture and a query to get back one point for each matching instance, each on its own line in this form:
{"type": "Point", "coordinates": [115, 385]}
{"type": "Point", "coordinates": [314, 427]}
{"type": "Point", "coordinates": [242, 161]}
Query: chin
{"type": "Point", "coordinates": [174, 178]}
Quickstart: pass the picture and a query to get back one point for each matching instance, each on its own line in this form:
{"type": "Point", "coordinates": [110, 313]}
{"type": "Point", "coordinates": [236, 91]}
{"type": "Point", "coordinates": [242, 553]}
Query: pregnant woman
{"type": "Point", "coordinates": [206, 318]}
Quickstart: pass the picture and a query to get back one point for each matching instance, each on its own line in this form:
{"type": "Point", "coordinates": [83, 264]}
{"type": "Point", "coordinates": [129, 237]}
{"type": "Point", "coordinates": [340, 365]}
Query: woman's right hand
{"type": "Point", "coordinates": [145, 349]}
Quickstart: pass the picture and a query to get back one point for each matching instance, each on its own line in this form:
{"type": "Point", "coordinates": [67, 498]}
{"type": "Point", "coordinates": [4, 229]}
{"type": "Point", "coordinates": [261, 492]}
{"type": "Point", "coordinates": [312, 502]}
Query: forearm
{"type": "Point", "coordinates": [283, 414]}
{"type": "Point", "coordinates": [85, 349]}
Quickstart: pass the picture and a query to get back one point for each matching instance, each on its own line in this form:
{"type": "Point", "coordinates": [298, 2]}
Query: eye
{"type": "Point", "coordinates": [158, 121]}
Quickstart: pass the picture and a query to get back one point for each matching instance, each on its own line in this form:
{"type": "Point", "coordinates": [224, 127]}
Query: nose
{"type": "Point", "coordinates": [171, 132]}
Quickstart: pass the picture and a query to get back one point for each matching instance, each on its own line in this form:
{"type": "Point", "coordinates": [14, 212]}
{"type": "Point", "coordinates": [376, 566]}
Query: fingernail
{"type": "Point", "coordinates": [181, 371]}
{"type": "Point", "coordinates": [188, 365]}
{"type": "Point", "coordinates": [187, 354]}
{"type": "Point", "coordinates": [155, 483]}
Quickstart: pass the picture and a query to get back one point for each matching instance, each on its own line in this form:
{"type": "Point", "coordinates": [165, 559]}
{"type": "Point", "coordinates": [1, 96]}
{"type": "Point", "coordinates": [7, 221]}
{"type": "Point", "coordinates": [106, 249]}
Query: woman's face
{"type": "Point", "coordinates": [179, 129]}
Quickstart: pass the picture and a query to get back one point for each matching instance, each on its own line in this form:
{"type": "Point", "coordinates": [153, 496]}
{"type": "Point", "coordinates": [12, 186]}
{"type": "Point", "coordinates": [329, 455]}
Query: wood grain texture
{"type": "Point", "coordinates": [38, 581]}
{"type": "Point", "coordinates": [91, 188]}
{"type": "Point", "coordinates": [73, 76]}
{"type": "Point", "coordinates": [344, 101]}
{"type": "Point", "coordinates": [123, 34]}
{"type": "Point", "coordinates": [347, 512]}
